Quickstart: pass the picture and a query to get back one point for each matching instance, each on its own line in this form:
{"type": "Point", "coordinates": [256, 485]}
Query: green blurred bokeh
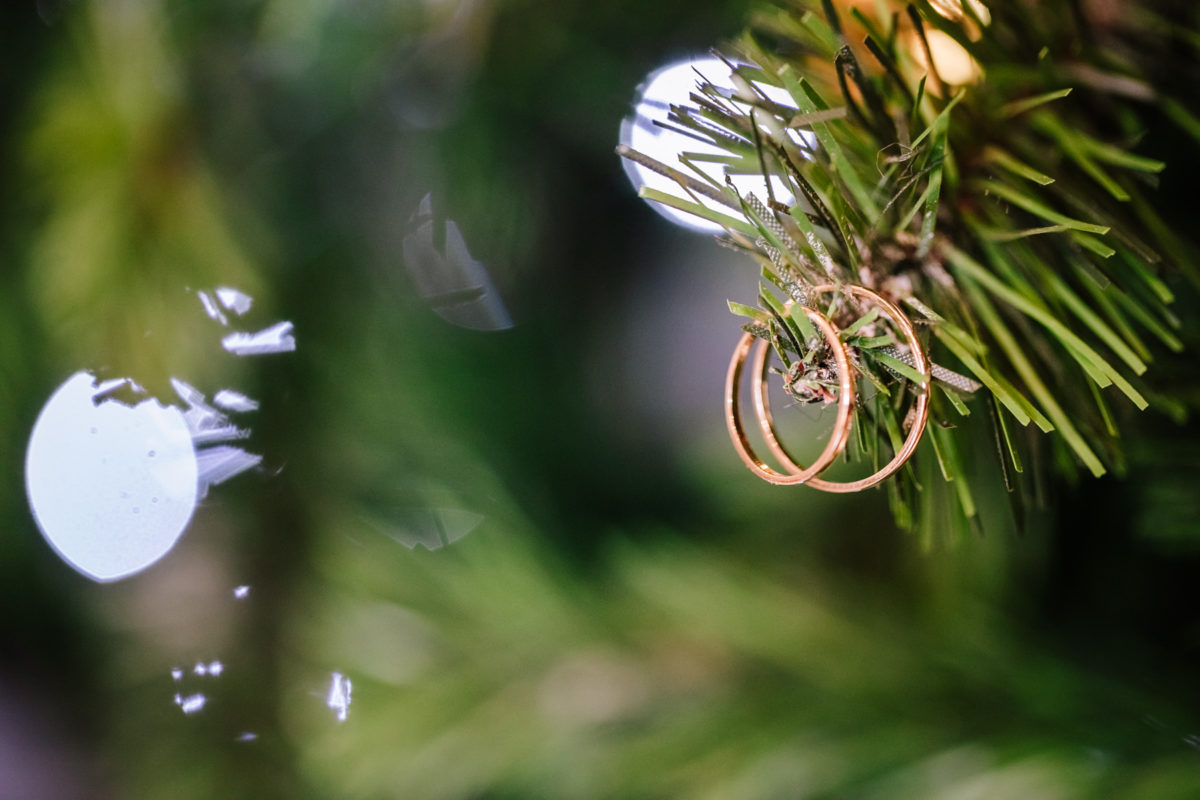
{"type": "Point", "coordinates": [635, 615]}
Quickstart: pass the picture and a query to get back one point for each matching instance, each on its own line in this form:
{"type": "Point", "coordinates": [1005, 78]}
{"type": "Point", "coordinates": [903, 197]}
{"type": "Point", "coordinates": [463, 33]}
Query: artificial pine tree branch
{"type": "Point", "coordinates": [1004, 211]}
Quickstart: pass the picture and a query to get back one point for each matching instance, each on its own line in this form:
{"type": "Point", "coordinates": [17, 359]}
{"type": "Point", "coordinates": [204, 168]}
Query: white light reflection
{"type": "Point", "coordinates": [433, 528]}
{"type": "Point", "coordinates": [235, 301]}
{"type": "Point", "coordinates": [191, 704]}
{"type": "Point", "coordinates": [671, 85]}
{"type": "Point", "coordinates": [338, 699]}
{"type": "Point", "coordinates": [233, 401]}
{"type": "Point", "coordinates": [113, 479]}
{"type": "Point", "coordinates": [213, 669]}
{"type": "Point", "coordinates": [457, 287]}
{"type": "Point", "coordinates": [247, 737]}
{"type": "Point", "coordinates": [219, 464]}
{"type": "Point", "coordinates": [231, 299]}
{"type": "Point", "coordinates": [211, 308]}
{"type": "Point", "coordinates": [176, 674]}
{"type": "Point", "coordinates": [208, 426]}
{"type": "Point", "coordinates": [241, 592]}
{"type": "Point", "coordinates": [111, 486]}
{"type": "Point", "coordinates": [276, 339]}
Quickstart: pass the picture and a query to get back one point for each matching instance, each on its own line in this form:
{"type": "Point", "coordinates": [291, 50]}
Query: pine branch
{"type": "Point", "coordinates": [1000, 209]}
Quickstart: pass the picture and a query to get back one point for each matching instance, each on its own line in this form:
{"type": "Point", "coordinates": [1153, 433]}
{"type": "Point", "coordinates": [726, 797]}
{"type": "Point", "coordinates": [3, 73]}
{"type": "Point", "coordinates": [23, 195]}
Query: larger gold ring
{"type": "Point", "coordinates": [841, 430]}
{"type": "Point", "coordinates": [916, 430]}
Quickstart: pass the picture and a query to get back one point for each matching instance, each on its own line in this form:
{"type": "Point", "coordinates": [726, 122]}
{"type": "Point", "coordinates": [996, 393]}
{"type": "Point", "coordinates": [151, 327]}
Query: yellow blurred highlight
{"type": "Point", "coordinates": [954, 64]}
{"type": "Point", "coordinates": [953, 10]}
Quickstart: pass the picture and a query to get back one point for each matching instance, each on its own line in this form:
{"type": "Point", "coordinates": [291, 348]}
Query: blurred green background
{"type": "Point", "coordinates": [634, 615]}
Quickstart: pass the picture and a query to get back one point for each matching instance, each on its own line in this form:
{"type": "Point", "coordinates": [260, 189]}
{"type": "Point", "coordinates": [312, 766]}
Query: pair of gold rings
{"type": "Point", "coordinates": [795, 473]}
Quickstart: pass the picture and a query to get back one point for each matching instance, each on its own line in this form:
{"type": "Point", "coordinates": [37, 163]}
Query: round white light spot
{"type": "Point", "coordinates": [112, 487]}
{"type": "Point", "coordinates": [669, 86]}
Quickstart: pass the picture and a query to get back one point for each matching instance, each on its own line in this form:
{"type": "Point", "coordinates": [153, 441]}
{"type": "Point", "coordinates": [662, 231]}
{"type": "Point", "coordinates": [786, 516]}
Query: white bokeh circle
{"type": "Point", "coordinates": [112, 486]}
{"type": "Point", "coordinates": [672, 85]}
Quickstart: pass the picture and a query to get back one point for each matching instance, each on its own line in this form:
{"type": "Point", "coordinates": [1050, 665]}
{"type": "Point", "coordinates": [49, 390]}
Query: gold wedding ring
{"type": "Point", "coordinates": [841, 429]}
{"type": "Point", "coordinates": [795, 473]}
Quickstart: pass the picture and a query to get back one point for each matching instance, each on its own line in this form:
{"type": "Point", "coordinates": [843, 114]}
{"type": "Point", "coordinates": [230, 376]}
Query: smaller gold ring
{"type": "Point", "coordinates": [841, 430]}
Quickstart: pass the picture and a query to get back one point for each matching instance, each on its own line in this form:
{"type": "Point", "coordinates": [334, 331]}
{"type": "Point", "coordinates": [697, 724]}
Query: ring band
{"type": "Point", "coordinates": [841, 430]}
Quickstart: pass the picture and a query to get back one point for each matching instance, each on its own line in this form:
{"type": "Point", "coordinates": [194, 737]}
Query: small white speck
{"type": "Point", "coordinates": [210, 308]}
{"type": "Point", "coordinates": [241, 592]}
{"type": "Point", "coordinates": [237, 302]}
{"type": "Point", "coordinates": [276, 339]}
{"type": "Point", "coordinates": [339, 696]}
{"type": "Point", "coordinates": [176, 674]}
{"type": "Point", "coordinates": [200, 668]}
{"type": "Point", "coordinates": [247, 737]}
{"type": "Point", "coordinates": [230, 400]}
{"type": "Point", "coordinates": [216, 668]}
{"type": "Point", "coordinates": [192, 703]}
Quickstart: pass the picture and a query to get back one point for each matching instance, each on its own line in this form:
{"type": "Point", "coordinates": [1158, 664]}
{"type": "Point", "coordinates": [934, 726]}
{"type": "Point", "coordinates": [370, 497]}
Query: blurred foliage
{"type": "Point", "coordinates": [627, 620]}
